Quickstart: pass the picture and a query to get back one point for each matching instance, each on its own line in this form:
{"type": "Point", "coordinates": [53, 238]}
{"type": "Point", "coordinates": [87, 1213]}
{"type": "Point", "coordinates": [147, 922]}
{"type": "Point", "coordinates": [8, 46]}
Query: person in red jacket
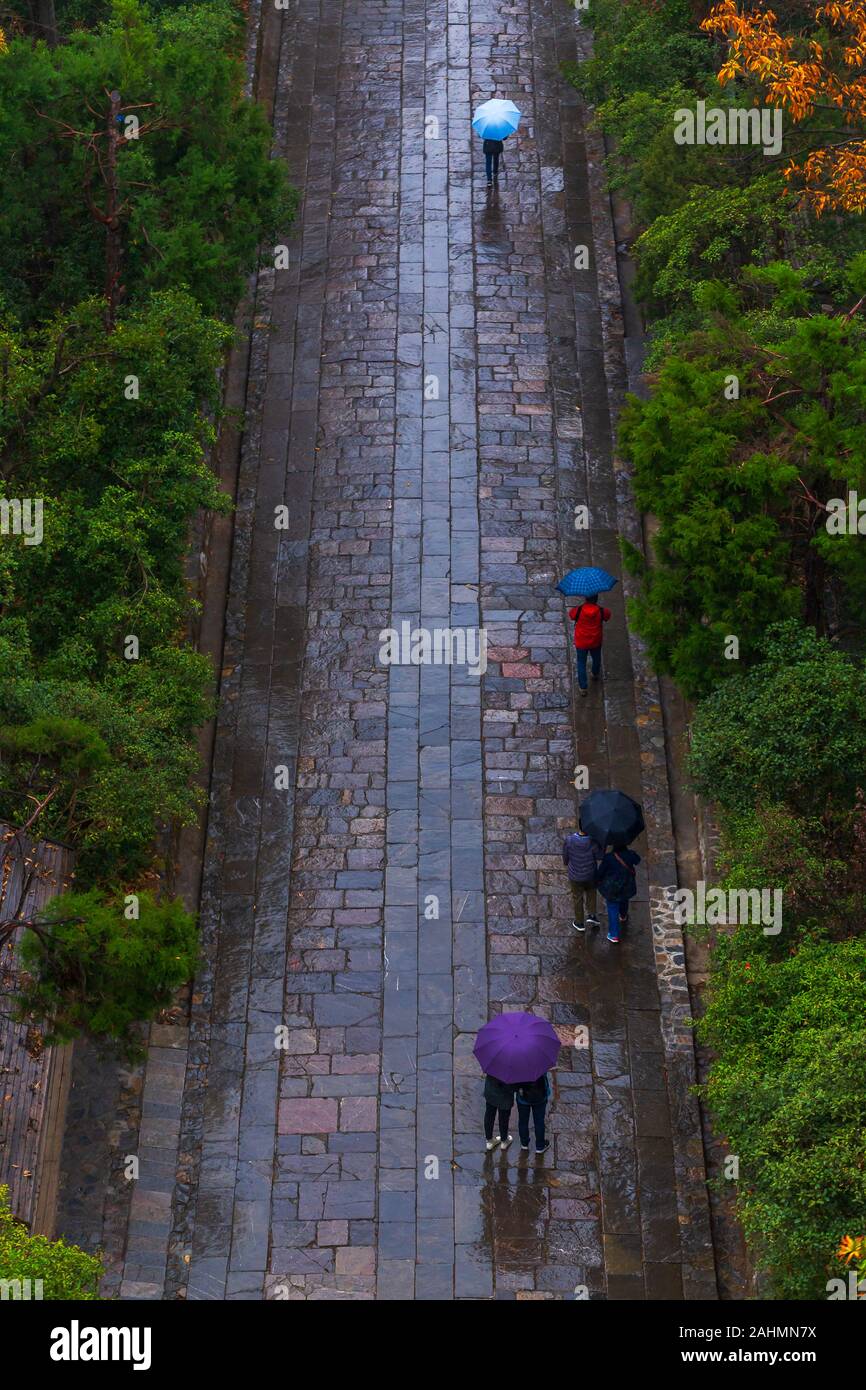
{"type": "Point", "coordinates": [589, 620]}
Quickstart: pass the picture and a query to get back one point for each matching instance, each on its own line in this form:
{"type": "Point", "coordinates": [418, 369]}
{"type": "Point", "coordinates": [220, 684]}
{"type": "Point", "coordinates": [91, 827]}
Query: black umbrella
{"type": "Point", "coordinates": [611, 818]}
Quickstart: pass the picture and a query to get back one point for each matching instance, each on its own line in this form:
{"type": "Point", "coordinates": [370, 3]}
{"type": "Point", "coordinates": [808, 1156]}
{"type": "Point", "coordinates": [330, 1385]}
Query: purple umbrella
{"type": "Point", "coordinates": [516, 1047]}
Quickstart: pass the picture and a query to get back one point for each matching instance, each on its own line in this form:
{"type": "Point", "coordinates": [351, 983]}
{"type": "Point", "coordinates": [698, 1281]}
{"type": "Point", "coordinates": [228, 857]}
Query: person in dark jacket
{"type": "Point", "coordinates": [532, 1097]}
{"type": "Point", "coordinates": [581, 856]}
{"type": "Point", "coordinates": [617, 883]}
{"type": "Point", "coordinates": [499, 1096]}
{"type": "Point", "coordinates": [492, 151]}
{"type": "Point", "coordinates": [589, 619]}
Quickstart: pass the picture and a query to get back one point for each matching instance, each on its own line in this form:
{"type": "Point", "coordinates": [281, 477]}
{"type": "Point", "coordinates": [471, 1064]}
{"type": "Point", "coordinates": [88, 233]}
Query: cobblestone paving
{"type": "Point", "coordinates": [428, 396]}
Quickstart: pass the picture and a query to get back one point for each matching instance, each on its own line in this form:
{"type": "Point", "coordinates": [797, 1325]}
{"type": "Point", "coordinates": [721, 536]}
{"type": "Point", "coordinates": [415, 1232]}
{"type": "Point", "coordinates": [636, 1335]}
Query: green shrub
{"type": "Point", "coordinates": [66, 1272]}
{"type": "Point", "coordinates": [818, 862]}
{"type": "Point", "coordinates": [792, 730]}
{"type": "Point", "coordinates": [788, 1091]}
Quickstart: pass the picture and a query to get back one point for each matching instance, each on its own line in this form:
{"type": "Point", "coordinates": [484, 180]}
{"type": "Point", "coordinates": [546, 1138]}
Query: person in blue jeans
{"type": "Point", "coordinates": [617, 884]}
{"type": "Point", "coordinates": [589, 618]}
{"type": "Point", "coordinates": [532, 1098]}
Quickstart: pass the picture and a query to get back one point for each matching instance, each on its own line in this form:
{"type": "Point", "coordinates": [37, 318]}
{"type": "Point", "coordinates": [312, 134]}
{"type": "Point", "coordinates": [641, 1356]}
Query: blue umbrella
{"type": "Point", "coordinates": [588, 580]}
{"type": "Point", "coordinates": [496, 119]}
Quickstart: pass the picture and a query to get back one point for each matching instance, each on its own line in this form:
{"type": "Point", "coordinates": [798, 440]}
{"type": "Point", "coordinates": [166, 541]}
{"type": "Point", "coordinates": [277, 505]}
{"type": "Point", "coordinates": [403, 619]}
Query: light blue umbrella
{"type": "Point", "coordinates": [496, 119]}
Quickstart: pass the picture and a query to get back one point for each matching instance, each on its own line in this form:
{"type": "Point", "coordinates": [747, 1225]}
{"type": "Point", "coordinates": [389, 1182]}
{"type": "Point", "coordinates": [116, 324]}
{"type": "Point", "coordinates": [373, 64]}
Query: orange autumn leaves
{"type": "Point", "coordinates": [852, 1253]}
{"type": "Point", "coordinates": [819, 67]}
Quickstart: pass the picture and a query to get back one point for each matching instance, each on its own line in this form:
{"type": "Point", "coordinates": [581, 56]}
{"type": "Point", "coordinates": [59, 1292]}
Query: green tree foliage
{"type": "Point", "coordinates": [642, 48]}
{"type": "Point", "coordinates": [106, 761]}
{"type": "Point", "coordinates": [713, 233]}
{"type": "Point", "coordinates": [89, 968]}
{"type": "Point", "coordinates": [753, 423]}
{"type": "Point", "coordinates": [791, 730]}
{"type": "Point", "coordinates": [738, 476]}
{"type": "Point", "coordinates": [66, 1272]}
{"type": "Point", "coordinates": [788, 1092]}
{"type": "Point", "coordinates": [120, 480]}
{"type": "Point", "coordinates": [87, 14]}
{"type": "Point", "coordinates": [700, 211]}
{"type": "Point", "coordinates": [197, 190]}
{"type": "Point", "coordinates": [123, 250]}
{"type": "Point", "coordinates": [110, 431]}
{"type": "Point", "coordinates": [818, 862]}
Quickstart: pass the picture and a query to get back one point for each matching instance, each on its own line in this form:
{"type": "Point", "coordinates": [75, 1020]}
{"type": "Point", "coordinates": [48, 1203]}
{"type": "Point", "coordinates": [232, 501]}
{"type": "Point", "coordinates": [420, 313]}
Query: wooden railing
{"type": "Point", "coordinates": [34, 1079]}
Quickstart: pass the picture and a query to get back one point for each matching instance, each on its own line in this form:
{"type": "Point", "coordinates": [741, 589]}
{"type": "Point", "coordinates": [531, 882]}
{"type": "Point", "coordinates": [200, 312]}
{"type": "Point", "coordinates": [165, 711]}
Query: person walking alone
{"type": "Point", "coordinates": [532, 1098]}
{"type": "Point", "coordinates": [617, 883]}
{"type": "Point", "coordinates": [492, 152]}
{"type": "Point", "coordinates": [499, 1096]}
{"type": "Point", "coordinates": [589, 619]}
{"type": "Point", "coordinates": [581, 856]}
{"type": "Point", "coordinates": [494, 121]}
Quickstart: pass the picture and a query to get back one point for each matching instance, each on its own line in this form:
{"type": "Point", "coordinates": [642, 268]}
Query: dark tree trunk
{"type": "Point", "coordinates": [45, 21]}
{"type": "Point", "coordinates": [814, 597]}
{"type": "Point", "coordinates": [113, 248]}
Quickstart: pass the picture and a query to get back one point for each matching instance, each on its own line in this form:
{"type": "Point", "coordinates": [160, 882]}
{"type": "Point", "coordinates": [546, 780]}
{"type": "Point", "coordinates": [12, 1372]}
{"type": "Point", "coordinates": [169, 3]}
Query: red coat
{"type": "Point", "coordinates": [589, 620]}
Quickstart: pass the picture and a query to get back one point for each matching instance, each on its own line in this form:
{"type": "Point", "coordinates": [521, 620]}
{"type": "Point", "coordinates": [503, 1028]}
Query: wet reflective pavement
{"type": "Point", "coordinates": [429, 396]}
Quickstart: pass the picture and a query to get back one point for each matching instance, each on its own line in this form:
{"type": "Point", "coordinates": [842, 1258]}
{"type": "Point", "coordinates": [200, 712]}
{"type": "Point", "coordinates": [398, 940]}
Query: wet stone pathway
{"type": "Point", "coordinates": [428, 396]}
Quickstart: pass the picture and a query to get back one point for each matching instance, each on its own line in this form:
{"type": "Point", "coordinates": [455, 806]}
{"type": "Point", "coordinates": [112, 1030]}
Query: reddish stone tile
{"type": "Point", "coordinates": [507, 653]}
{"type": "Point", "coordinates": [356, 1260]}
{"type": "Point", "coordinates": [308, 1116]}
{"type": "Point", "coordinates": [509, 806]}
{"type": "Point", "coordinates": [362, 1064]}
{"type": "Point", "coordinates": [507, 945]}
{"type": "Point", "coordinates": [520, 670]}
{"type": "Point", "coordinates": [332, 1233]}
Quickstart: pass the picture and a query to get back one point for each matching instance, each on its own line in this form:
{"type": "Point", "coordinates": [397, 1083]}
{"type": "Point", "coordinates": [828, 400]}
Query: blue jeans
{"type": "Point", "coordinates": [538, 1110]}
{"type": "Point", "coordinates": [582, 654]}
{"type": "Point", "coordinates": [491, 162]}
{"type": "Point", "coordinates": [616, 913]}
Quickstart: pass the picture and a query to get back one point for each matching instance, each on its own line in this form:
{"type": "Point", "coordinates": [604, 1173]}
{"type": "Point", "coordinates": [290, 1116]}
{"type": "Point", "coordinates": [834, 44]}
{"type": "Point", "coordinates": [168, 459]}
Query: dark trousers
{"type": "Point", "coordinates": [583, 897]}
{"type": "Point", "coordinates": [492, 163]}
{"type": "Point", "coordinates": [582, 653]}
{"type": "Point", "coordinates": [538, 1109]}
{"type": "Point", "coordinates": [489, 1116]}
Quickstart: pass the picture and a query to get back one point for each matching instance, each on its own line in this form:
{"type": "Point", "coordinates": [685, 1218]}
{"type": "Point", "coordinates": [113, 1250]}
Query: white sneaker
{"type": "Point", "coordinates": [506, 1142]}
{"type": "Point", "coordinates": [491, 1144]}
{"type": "Point", "coordinates": [579, 926]}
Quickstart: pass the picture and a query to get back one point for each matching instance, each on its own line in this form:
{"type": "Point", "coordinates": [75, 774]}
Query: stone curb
{"type": "Point", "coordinates": [699, 1278]}
{"type": "Point", "coordinates": [154, 1266]}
